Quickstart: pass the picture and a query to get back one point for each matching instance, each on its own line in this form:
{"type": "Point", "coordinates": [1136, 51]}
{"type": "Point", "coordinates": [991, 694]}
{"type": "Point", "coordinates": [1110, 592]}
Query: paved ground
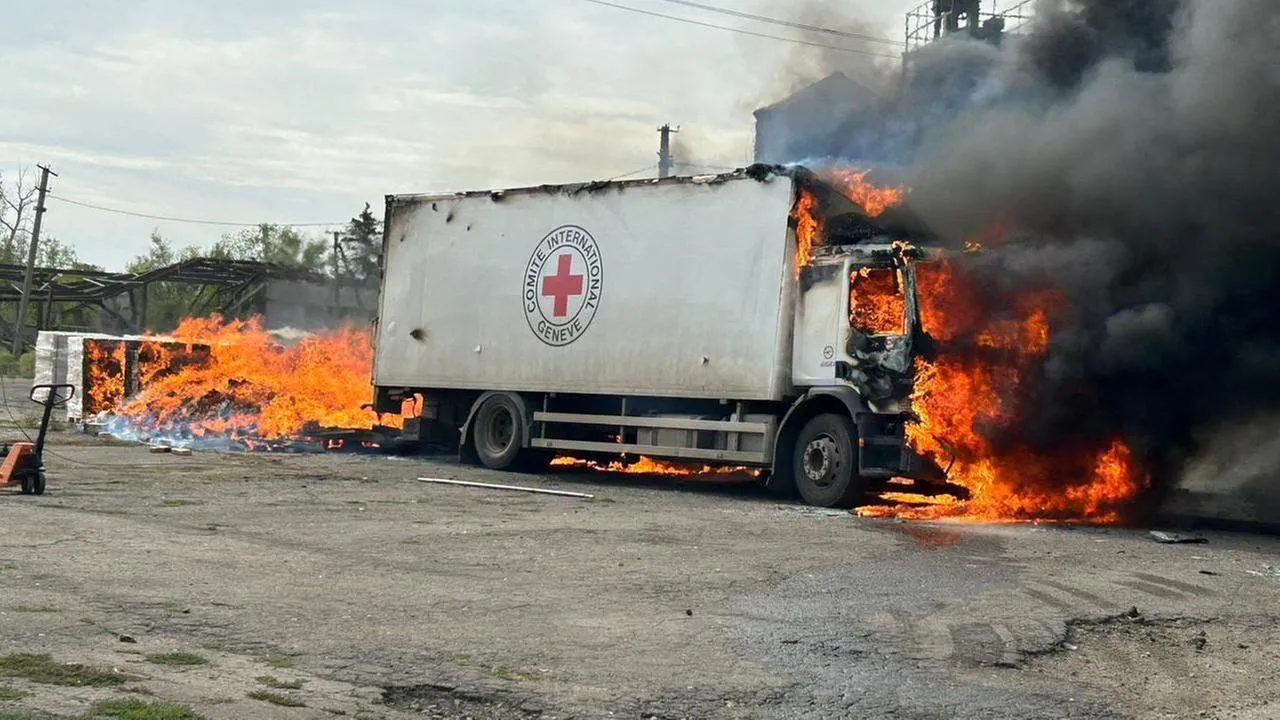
{"type": "Point", "coordinates": [367, 593]}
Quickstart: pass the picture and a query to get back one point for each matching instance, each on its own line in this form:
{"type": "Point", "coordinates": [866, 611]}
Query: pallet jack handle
{"type": "Point", "coordinates": [51, 400]}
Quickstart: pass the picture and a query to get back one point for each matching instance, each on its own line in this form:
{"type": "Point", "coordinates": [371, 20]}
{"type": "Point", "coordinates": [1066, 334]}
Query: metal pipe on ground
{"type": "Point", "coordinates": [515, 488]}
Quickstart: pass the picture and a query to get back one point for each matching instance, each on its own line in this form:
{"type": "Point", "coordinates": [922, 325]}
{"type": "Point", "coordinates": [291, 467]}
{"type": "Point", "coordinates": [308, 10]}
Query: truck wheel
{"type": "Point", "coordinates": [497, 431]}
{"type": "Point", "coordinates": [826, 462]}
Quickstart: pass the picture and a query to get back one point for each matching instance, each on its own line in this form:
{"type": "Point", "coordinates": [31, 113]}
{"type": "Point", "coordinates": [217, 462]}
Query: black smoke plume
{"type": "Point", "coordinates": [1134, 148]}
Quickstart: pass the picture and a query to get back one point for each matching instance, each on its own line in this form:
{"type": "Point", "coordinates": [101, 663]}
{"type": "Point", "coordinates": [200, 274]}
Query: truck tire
{"type": "Point", "coordinates": [826, 462]}
{"type": "Point", "coordinates": [497, 432]}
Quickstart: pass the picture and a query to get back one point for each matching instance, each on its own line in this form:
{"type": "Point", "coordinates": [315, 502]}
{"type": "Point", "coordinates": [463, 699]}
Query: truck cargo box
{"type": "Point", "coordinates": [678, 287]}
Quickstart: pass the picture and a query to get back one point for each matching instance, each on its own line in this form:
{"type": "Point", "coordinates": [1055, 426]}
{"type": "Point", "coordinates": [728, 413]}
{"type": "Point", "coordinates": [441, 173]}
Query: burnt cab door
{"type": "Point", "coordinates": [882, 316]}
{"type": "Point", "coordinates": [881, 321]}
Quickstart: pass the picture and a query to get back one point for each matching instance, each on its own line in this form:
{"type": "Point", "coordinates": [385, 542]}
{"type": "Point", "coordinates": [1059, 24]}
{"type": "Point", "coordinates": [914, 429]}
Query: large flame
{"type": "Point", "coordinates": [104, 362]}
{"type": "Point", "coordinates": [876, 303]}
{"type": "Point", "coordinates": [975, 391]}
{"type": "Point", "coordinates": [808, 227]}
{"type": "Point", "coordinates": [806, 215]}
{"type": "Point", "coordinates": [232, 378]}
{"type": "Point", "coordinates": [873, 199]}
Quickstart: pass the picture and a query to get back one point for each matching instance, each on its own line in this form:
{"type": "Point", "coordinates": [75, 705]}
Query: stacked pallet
{"type": "Point", "coordinates": [62, 357]}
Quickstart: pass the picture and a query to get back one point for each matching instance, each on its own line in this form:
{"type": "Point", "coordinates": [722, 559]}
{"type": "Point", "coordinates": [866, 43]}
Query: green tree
{"type": "Point", "coordinates": [53, 253]}
{"type": "Point", "coordinates": [277, 244]}
{"type": "Point", "coordinates": [361, 244]}
{"type": "Point", "coordinates": [167, 303]}
{"type": "Point", "coordinates": [160, 254]}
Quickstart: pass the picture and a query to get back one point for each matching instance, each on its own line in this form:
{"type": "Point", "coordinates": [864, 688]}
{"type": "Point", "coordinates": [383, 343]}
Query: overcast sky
{"type": "Point", "coordinates": [298, 111]}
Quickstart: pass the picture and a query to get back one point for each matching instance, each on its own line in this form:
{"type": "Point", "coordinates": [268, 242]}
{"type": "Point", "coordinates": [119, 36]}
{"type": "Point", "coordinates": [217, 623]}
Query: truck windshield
{"type": "Point", "coordinates": [877, 305]}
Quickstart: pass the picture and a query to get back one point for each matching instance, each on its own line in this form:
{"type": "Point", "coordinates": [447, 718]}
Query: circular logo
{"type": "Point", "coordinates": [562, 284]}
{"type": "Point", "coordinates": [828, 352]}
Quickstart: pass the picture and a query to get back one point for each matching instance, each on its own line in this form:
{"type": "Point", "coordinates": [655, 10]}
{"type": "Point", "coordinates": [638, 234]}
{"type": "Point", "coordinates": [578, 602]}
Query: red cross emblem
{"type": "Point", "coordinates": [562, 286]}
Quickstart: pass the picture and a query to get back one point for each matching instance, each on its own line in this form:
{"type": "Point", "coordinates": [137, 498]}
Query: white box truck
{"type": "Point", "coordinates": [664, 318]}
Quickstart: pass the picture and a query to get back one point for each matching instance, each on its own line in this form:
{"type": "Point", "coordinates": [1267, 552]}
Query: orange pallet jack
{"type": "Point", "coordinates": [24, 461]}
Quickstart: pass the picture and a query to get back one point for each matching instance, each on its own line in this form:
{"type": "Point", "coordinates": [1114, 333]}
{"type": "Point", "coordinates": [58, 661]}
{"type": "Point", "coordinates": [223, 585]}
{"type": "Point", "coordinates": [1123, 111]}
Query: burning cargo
{"type": "Point", "coordinates": [106, 370]}
{"type": "Point", "coordinates": [229, 385]}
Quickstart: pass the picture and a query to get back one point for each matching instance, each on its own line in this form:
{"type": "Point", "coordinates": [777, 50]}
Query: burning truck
{"type": "Point", "coordinates": [760, 319]}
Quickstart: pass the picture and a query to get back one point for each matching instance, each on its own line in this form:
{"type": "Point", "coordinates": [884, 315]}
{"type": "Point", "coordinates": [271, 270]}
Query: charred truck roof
{"type": "Point", "coordinates": [847, 223]}
{"type": "Point", "coordinates": [894, 234]}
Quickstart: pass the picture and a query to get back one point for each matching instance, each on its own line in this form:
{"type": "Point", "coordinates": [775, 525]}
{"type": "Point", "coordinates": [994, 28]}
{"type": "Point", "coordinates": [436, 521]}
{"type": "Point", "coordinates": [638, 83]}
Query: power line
{"type": "Point", "coordinates": [740, 31]}
{"type": "Point", "coordinates": [787, 23]}
{"type": "Point", "coordinates": [637, 171]}
{"type": "Point", "coordinates": [192, 221]}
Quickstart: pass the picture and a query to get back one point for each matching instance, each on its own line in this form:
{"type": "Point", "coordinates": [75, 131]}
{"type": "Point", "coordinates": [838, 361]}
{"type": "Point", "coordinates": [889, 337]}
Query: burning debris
{"type": "Point", "coordinates": [232, 385]}
{"type": "Point", "coordinates": [649, 466]}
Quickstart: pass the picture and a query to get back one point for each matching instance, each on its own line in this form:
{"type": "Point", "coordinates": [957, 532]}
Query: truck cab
{"type": "Point", "coordinates": [856, 336]}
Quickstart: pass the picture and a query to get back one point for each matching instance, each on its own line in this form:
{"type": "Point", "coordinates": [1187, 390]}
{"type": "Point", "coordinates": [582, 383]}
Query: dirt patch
{"type": "Point", "coordinates": [344, 584]}
{"type": "Point", "coordinates": [440, 701]}
{"type": "Point", "coordinates": [1171, 667]}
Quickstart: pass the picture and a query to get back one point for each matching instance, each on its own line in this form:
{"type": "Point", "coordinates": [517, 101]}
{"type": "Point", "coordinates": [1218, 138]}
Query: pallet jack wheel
{"type": "Point", "coordinates": [27, 484]}
{"type": "Point", "coordinates": [37, 482]}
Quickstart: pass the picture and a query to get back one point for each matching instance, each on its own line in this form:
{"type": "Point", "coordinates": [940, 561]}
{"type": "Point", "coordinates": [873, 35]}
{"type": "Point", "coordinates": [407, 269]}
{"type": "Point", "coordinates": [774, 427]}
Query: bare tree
{"type": "Point", "coordinates": [17, 205]}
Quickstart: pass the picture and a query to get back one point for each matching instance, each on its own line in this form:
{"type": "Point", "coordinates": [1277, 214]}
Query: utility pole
{"type": "Point", "coordinates": [664, 150]}
{"type": "Point", "coordinates": [337, 283]}
{"type": "Point", "coordinates": [34, 247]}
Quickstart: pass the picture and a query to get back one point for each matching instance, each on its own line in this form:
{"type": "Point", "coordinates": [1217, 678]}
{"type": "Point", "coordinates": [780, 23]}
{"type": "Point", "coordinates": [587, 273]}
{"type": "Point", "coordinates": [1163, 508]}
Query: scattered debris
{"type": "Point", "coordinates": [517, 488]}
{"type": "Point", "coordinates": [1266, 571]}
{"type": "Point", "coordinates": [159, 449]}
{"type": "Point", "coordinates": [183, 451]}
{"type": "Point", "coordinates": [1169, 538]}
{"type": "Point", "coordinates": [128, 639]}
{"type": "Point", "coordinates": [1199, 641]}
{"type": "Point", "coordinates": [1208, 572]}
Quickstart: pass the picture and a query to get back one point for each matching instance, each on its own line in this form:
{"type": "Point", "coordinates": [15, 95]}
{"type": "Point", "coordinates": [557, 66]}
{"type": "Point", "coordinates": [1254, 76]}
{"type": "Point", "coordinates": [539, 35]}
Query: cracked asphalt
{"type": "Point", "coordinates": [380, 596]}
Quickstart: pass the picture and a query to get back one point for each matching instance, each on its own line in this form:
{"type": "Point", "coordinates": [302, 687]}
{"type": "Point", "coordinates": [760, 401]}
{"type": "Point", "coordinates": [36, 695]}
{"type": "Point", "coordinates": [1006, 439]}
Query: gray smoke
{"type": "Point", "coordinates": [1133, 144]}
{"type": "Point", "coordinates": [808, 63]}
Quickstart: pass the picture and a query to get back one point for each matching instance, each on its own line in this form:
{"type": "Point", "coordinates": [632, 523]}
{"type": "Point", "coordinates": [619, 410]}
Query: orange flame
{"type": "Point", "coordinates": [972, 390]}
{"type": "Point", "coordinates": [875, 200]}
{"type": "Point", "coordinates": [808, 228]}
{"type": "Point", "coordinates": [876, 303]}
{"type": "Point", "coordinates": [104, 374]}
{"type": "Point", "coordinates": [649, 466]}
{"type": "Point", "coordinates": [806, 214]}
{"type": "Point", "coordinates": [245, 384]}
